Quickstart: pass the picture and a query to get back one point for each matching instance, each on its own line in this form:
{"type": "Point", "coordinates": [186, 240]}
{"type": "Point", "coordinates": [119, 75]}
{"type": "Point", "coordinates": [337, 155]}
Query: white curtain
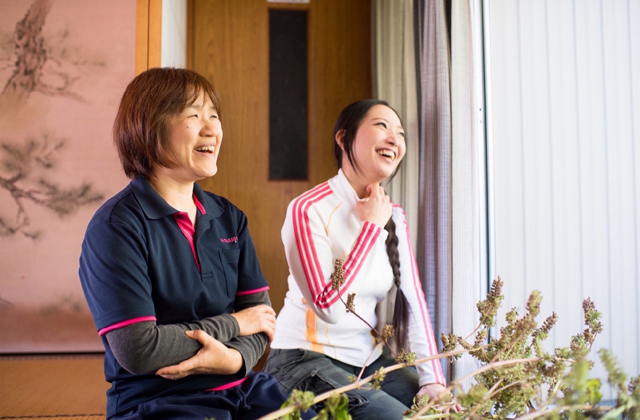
{"type": "Point", "coordinates": [442, 183]}
{"type": "Point", "coordinates": [394, 81]}
{"type": "Point", "coordinates": [468, 180]}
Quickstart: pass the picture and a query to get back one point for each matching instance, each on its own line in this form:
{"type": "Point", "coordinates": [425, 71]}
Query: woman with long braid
{"type": "Point", "coordinates": [319, 344]}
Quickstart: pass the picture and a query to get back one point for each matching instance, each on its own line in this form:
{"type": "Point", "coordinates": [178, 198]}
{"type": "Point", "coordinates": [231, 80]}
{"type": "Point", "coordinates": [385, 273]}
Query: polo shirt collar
{"type": "Point", "coordinates": [212, 208]}
{"type": "Point", "coordinates": [155, 207]}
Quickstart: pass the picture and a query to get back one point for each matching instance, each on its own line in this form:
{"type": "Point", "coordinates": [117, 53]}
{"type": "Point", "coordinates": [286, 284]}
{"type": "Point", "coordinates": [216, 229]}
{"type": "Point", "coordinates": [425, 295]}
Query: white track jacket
{"type": "Point", "coordinates": [322, 226]}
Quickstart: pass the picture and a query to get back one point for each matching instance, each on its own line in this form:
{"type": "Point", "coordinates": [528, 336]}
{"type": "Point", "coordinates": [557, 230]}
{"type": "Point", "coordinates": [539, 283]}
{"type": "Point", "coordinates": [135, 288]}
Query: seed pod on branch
{"type": "Point", "coordinates": [337, 277]}
{"type": "Point", "coordinates": [387, 332]}
{"type": "Point", "coordinates": [351, 306]}
{"type": "Point", "coordinates": [408, 358]}
{"type": "Point", "coordinates": [496, 288]}
{"type": "Point", "coordinates": [549, 323]}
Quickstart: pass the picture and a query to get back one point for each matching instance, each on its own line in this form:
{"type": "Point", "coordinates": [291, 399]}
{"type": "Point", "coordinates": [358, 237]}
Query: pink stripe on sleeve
{"type": "Point", "coordinates": [364, 243]}
{"type": "Point", "coordinates": [331, 296]}
{"type": "Point", "coordinates": [311, 247]}
{"type": "Point", "coordinates": [369, 234]}
{"type": "Point", "coordinates": [296, 228]}
{"type": "Point", "coordinates": [433, 348]}
{"type": "Point", "coordinates": [367, 244]}
{"type": "Point", "coordinates": [125, 323]}
{"type": "Point", "coordinates": [250, 292]}
{"type": "Point", "coordinates": [304, 248]}
{"type": "Point", "coordinates": [302, 233]}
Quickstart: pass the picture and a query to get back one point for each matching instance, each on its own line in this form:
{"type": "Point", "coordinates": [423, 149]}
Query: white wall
{"type": "Point", "coordinates": [174, 33]}
{"type": "Point", "coordinates": [565, 84]}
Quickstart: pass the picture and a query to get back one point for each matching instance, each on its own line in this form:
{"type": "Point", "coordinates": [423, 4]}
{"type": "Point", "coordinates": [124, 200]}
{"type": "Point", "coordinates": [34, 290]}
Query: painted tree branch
{"type": "Point", "coordinates": [5, 303]}
{"type": "Point", "coordinates": [23, 185]}
{"type": "Point", "coordinates": [31, 57]}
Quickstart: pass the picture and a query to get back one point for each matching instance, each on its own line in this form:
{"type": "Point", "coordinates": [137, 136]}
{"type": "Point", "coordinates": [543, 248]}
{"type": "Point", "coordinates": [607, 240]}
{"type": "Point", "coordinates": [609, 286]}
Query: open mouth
{"type": "Point", "coordinates": [387, 153]}
{"type": "Point", "coordinates": [205, 149]}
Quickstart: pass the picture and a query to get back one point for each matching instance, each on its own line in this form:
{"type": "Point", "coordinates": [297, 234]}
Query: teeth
{"type": "Point", "coordinates": [208, 149]}
{"type": "Point", "coordinates": [387, 153]}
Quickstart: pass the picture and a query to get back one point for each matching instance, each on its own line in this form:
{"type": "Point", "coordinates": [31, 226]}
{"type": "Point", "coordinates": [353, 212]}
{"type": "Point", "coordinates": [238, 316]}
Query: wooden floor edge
{"type": "Point", "coordinates": [59, 417]}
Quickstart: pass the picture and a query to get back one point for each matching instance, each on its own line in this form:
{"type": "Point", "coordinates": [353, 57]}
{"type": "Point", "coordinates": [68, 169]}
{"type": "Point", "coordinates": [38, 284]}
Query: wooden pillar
{"type": "Point", "coordinates": [148, 34]}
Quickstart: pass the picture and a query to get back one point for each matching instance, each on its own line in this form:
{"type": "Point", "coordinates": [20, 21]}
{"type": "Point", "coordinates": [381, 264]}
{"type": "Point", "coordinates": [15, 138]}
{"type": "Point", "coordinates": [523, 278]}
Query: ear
{"type": "Point", "coordinates": [340, 138]}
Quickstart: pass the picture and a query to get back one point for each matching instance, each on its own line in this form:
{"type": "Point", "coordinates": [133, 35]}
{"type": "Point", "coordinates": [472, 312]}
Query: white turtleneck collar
{"type": "Point", "coordinates": [343, 188]}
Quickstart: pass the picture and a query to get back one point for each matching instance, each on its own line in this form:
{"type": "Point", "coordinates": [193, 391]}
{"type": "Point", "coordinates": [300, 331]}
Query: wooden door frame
{"type": "Point", "coordinates": [148, 34]}
{"type": "Point", "coordinates": [190, 20]}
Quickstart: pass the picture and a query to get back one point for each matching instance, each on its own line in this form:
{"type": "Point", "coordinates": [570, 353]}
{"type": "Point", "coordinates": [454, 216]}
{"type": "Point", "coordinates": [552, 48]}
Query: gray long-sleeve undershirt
{"type": "Point", "coordinates": [146, 347]}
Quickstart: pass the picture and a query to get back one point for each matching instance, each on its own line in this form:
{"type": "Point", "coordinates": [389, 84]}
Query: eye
{"type": "Point", "coordinates": [401, 134]}
{"type": "Point", "coordinates": [382, 124]}
{"type": "Point", "coordinates": [215, 116]}
{"type": "Point", "coordinates": [193, 115]}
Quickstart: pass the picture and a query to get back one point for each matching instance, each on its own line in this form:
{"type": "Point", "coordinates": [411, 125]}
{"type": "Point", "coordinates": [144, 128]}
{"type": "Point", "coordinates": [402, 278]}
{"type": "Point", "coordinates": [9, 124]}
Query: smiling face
{"type": "Point", "coordinates": [378, 147]}
{"type": "Point", "coordinates": [194, 140]}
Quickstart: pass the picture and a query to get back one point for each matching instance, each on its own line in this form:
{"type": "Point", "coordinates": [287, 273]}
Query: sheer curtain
{"type": "Point", "coordinates": [434, 251]}
{"type": "Point", "coordinates": [426, 65]}
{"type": "Point", "coordinates": [394, 81]}
{"type": "Point", "coordinates": [468, 174]}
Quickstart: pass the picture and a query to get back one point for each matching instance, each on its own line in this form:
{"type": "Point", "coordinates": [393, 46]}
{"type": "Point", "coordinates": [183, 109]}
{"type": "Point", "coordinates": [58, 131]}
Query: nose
{"type": "Point", "coordinates": [208, 129]}
{"type": "Point", "coordinates": [393, 138]}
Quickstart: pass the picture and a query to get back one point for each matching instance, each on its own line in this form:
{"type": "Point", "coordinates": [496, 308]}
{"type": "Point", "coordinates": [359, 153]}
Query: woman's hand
{"type": "Point", "coordinates": [214, 358]}
{"type": "Point", "coordinates": [256, 319]}
{"type": "Point", "coordinates": [437, 391]}
{"type": "Point", "coordinates": [376, 208]}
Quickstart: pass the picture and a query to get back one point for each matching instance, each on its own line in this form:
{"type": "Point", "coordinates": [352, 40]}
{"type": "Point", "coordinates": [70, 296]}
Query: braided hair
{"type": "Point", "coordinates": [401, 306]}
{"type": "Point", "coordinates": [348, 123]}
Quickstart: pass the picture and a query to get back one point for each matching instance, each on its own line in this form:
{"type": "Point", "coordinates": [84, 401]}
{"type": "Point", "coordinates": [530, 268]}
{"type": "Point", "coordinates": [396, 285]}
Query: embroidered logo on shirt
{"type": "Point", "coordinates": [229, 240]}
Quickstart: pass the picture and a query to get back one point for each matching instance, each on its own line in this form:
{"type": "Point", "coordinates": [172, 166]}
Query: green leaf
{"type": "Point", "coordinates": [593, 390]}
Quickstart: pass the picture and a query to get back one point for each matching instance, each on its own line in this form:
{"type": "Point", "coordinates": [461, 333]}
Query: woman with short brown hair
{"type": "Point", "coordinates": [170, 272]}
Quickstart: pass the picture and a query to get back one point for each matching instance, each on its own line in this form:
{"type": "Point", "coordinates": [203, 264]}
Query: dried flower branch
{"type": "Point", "coordinates": [337, 277]}
{"type": "Point", "coordinates": [351, 306]}
{"type": "Point", "coordinates": [515, 370]}
{"type": "Point", "coordinates": [337, 280]}
{"type": "Point", "coordinates": [358, 384]}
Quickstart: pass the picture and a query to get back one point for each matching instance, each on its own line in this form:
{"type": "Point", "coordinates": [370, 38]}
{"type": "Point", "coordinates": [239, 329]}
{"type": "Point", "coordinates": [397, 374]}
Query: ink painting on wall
{"type": "Point", "coordinates": [63, 67]}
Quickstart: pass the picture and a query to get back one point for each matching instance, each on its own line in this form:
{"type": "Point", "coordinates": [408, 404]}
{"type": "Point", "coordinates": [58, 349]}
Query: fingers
{"type": "Point", "coordinates": [202, 360]}
{"type": "Point", "coordinates": [268, 326]}
{"type": "Point", "coordinates": [256, 319]}
{"type": "Point", "coordinates": [265, 309]}
{"type": "Point", "coordinates": [183, 369]}
{"type": "Point", "coordinates": [200, 336]}
{"type": "Point", "coordinates": [452, 408]}
{"type": "Point", "coordinates": [178, 371]}
{"type": "Point", "coordinates": [376, 208]}
{"type": "Point", "coordinates": [259, 309]}
{"type": "Point", "coordinates": [440, 394]}
{"type": "Point", "coordinates": [375, 190]}
{"type": "Point", "coordinates": [372, 190]}
{"type": "Point", "coordinates": [270, 332]}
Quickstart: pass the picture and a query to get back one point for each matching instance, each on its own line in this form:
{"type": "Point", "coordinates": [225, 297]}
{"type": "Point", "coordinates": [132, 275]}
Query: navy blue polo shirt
{"type": "Point", "coordinates": [137, 265]}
